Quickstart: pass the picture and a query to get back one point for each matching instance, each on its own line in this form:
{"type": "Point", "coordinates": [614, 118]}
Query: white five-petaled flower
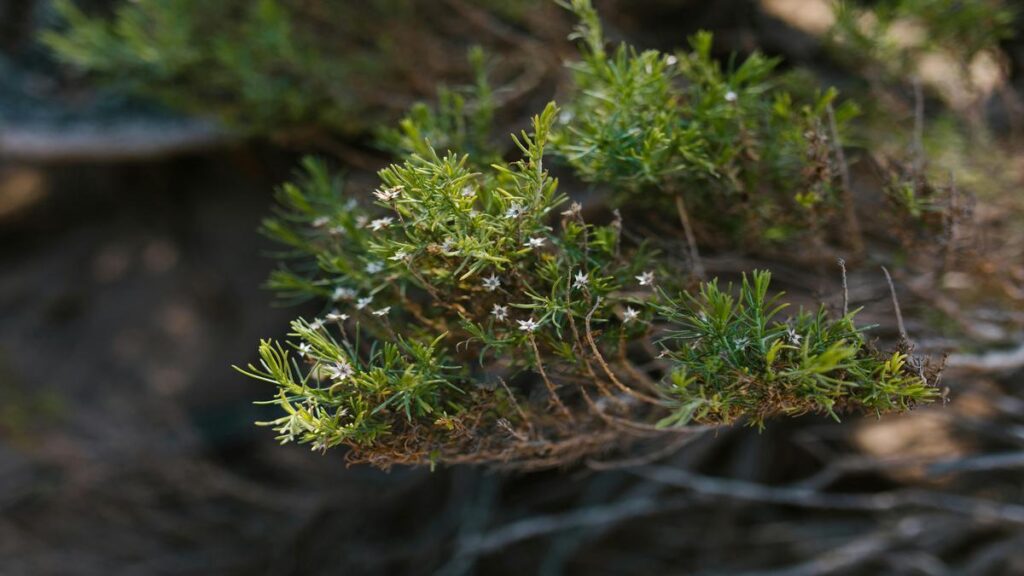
{"type": "Point", "coordinates": [514, 211]}
{"type": "Point", "coordinates": [342, 293]}
{"type": "Point", "coordinates": [381, 223]}
{"type": "Point", "coordinates": [499, 312]}
{"type": "Point", "coordinates": [492, 283]}
{"type": "Point", "coordinates": [336, 316]}
{"type": "Point", "coordinates": [305, 349]}
{"type": "Point", "coordinates": [580, 280]}
{"type": "Point", "coordinates": [400, 256]}
{"type": "Point", "coordinates": [629, 315]}
{"type": "Point", "coordinates": [528, 325]}
{"type": "Point", "coordinates": [730, 96]}
{"type": "Point", "coordinates": [340, 371]}
{"type": "Point", "coordinates": [363, 302]}
{"type": "Point", "coordinates": [316, 324]}
{"type": "Point", "coordinates": [793, 337]}
{"type": "Point", "coordinates": [671, 60]}
{"type": "Point", "coordinates": [388, 194]}
{"type": "Point", "coordinates": [374, 267]}
{"type": "Point", "coordinates": [320, 221]}
{"type": "Point", "coordinates": [534, 242]}
{"type": "Point", "coordinates": [383, 311]}
{"type": "Point", "coordinates": [646, 278]}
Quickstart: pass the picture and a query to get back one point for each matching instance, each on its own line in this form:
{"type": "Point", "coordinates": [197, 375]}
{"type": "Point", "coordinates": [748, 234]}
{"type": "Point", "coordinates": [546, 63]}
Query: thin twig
{"type": "Point", "coordinates": [981, 463]}
{"type": "Point", "coordinates": [515, 404]}
{"type": "Point", "coordinates": [975, 508]}
{"type": "Point", "coordinates": [896, 306]}
{"type": "Point", "coordinates": [846, 289]}
{"type": "Point", "coordinates": [651, 457]}
{"type": "Point", "coordinates": [607, 514]}
{"type": "Point", "coordinates": [997, 361]}
{"type": "Point", "coordinates": [918, 130]}
{"type": "Point", "coordinates": [547, 381]}
{"type": "Point", "coordinates": [691, 239]}
{"type": "Point", "coordinates": [853, 231]}
{"type": "Point", "coordinates": [951, 226]}
{"type": "Point", "coordinates": [604, 365]}
{"type": "Point", "coordinates": [857, 552]}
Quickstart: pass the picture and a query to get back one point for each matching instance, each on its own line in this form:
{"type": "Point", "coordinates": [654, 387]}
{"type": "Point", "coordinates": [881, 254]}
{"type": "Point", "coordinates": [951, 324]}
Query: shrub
{"type": "Point", "coordinates": [477, 318]}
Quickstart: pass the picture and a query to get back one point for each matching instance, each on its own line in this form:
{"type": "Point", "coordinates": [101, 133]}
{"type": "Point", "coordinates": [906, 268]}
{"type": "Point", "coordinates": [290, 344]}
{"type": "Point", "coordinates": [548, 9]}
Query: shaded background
{"type": "Point", "coordinates": [130, 273]}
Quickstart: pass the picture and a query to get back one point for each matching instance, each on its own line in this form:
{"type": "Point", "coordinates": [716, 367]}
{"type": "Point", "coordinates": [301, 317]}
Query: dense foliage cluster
{"type": "Point", "coordinates": [744, 151]}
{"type": "Point", "coordinates": [474, 312]}
{"type": "Point", "coordinates": [476, 316]}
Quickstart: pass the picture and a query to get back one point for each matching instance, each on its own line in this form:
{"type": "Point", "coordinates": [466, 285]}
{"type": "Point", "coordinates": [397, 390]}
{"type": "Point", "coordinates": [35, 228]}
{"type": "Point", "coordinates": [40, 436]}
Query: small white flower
{"type": "Point", "coordinates": [671, 60]}
{"type": "Point", "coordinates": [793, 337]}
{"type": "Point", "coordinates": [383, 311]}
{"type": "Point", "coordinates": [646, 278]}
{"type": "Point", "coordinates": [336, 316]}
{"type": "Point", "coordinates": [336, 231]}
{"type": "Point", "coordinates": [363, 302]}
{"type": "Point", "coordinates": [342, 293]}
{"type": "Point", "coordinates": [492, 283]}
{"type": "Point", "coordinates": [381, 223]}
{"type": "Point", "coordinates": [499, 312]}
{"type": "Point", "coordinates": [474, 213]}
{"type": "Point", "coordinates": [320, 221]}
{"type": "Point", "coordinates": [340, 371]}
{"type": "Point", "coordinates": [565, 117]}
{"type": "Point", "coordinates": [580, 280]}
{"type": "Point", "coordinates": [741, 343]}
{"type": "Point", "coordinates": [527, 325]}
{"type": "Point", "coordinates": [514, 211]}
{"type": "Point", "coordinates": [448, 245]}
{"type": "Point", "coordinates": [534, 243]}
{"type": "Point", "coordinates": [374, 267]}
{"type": "Point", "coordinates": [467, 192]}
{"type": "Point", "coordinates": [730, 96]}
{"type": "Point", "coordinates": [362, 220]}
{"type": "Point", "coordinates": [388, 194]}
{"type": "Point", "coordinates": [305, 349]}
{"type": "Point", "coordinates": [400, 256]}
{"type": "Point", "coordinates": [316, 324]}
{"type": "Point", "coordinates": [629, 315]}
